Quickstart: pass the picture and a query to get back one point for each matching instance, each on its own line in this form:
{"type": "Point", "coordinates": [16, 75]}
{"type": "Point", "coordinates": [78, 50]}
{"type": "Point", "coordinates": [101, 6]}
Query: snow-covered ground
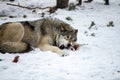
{"type": "Point", "coordinates": [99, 60]}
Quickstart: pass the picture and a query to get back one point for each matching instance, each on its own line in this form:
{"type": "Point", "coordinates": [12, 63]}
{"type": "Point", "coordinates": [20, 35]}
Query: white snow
{"type": "Point", "coordinates": [99, 60]}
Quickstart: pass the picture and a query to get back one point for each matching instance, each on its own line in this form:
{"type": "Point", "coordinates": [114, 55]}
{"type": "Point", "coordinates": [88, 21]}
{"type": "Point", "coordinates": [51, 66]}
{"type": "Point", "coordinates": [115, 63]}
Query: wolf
{"type": "Point", "coordinates": [48, 34]}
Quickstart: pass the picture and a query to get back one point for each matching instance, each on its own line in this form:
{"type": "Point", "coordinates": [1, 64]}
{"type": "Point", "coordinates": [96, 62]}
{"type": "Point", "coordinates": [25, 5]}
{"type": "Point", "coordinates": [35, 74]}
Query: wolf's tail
{"type": "Point", "coordinates": [15, 47]}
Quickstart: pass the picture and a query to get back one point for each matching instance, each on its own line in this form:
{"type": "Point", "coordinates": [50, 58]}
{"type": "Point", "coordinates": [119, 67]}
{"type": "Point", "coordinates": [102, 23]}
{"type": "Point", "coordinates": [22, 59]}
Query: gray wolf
{"type": "Point", "coordinates": [48, 34]}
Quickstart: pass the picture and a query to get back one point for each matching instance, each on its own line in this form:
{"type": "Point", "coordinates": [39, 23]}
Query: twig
{"type": "Point", "coordinates": [82, 44]}
{"type": "Point", "coordinates": [15, 60]}
{"type": "Point", "coordinates": [91, 25]}
{"type": "Point", "coordinates": [18, 5]}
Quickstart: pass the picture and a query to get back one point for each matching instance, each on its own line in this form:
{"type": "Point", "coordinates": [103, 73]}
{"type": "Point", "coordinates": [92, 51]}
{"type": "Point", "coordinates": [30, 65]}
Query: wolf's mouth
{"type": "Point", "coordinates": [62, 47]}
{"type": "Point", "coordinates": [65, 47]}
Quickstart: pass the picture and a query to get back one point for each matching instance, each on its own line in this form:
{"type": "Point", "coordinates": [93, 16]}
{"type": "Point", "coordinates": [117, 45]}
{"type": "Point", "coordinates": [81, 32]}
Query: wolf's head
{"type": "Point", "coordinates": [66, 39]}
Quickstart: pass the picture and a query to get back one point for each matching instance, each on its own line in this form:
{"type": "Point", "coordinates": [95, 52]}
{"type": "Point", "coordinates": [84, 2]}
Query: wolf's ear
{"type": "Point", "coordinates": [63, 27]}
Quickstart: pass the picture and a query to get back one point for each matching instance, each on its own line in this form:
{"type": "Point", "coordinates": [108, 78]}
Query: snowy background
{"type": "Point", "coordinates": [99, 60]}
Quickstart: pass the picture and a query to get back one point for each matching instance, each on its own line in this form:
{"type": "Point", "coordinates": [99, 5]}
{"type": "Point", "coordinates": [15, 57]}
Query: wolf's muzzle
{"type": "Point", "coordinates": [65, 47]}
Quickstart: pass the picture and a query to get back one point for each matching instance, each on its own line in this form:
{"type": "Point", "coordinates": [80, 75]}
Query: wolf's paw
{"type": "Point", "coordinates": [63, 55]}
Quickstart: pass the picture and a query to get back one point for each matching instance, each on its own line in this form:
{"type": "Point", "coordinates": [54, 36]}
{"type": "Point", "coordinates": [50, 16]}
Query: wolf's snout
{"type": "Point", "coordinates": [62, 47]}
{"type": "Point", "coordinates": [69, 45]}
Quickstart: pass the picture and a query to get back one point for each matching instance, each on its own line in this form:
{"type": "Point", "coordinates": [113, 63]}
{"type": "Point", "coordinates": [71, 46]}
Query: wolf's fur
{"type": "Point", "coordinates": [16, 37]}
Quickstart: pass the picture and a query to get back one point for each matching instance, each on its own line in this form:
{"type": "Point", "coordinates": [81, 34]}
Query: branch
{"type": "Point", "coordinates": [18, 5]}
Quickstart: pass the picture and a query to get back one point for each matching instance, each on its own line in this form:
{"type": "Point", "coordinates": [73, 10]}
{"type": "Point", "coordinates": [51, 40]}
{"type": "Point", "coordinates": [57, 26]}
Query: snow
{"type": "Point", "coordinates": [99, 60]}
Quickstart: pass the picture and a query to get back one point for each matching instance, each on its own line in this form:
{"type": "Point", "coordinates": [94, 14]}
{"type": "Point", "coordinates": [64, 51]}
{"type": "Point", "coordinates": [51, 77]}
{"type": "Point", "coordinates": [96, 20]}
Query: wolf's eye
{"type": "Point", "coordinates": [67, 37]}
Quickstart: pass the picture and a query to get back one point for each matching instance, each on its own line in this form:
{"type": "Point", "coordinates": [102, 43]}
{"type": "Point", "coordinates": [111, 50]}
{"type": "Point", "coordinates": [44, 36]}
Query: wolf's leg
{"type": "Point", "coordinates": [47, 47]}
{"type": "Point", "coordinates": [14, 47]}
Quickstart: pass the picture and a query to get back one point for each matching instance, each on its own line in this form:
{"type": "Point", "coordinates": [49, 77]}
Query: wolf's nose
{"type": "Point", "coordinates": [68, 45]}
{"type": "Point", "coordinates": [62, 47]}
